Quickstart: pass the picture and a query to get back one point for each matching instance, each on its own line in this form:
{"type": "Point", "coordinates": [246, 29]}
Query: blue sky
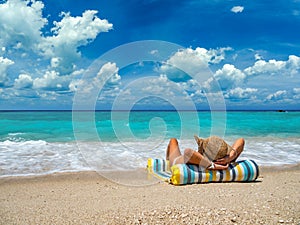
{"type": "Point", "coordinates": [252, 49]}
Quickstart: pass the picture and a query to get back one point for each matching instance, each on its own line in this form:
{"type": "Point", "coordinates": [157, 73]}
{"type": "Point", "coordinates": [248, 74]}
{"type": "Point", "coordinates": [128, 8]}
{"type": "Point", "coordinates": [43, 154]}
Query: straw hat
{"type": "Point", "coordinates": [213, 148]}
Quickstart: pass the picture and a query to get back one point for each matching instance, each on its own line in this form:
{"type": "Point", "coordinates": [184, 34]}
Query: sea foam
{"type": "Point", "coordinates": [41, 157]}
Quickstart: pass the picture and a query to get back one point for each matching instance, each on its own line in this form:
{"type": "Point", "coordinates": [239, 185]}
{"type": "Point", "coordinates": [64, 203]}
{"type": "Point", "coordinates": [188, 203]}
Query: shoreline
{"type": "Point", "coordinates": [264, 168]}
{"type": "Point", "coordinates": [87, 197]}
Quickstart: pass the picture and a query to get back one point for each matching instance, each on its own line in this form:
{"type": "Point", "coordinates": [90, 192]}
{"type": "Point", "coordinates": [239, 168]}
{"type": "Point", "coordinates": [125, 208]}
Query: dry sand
{"type": "Point", "coordinates": [88, 198]}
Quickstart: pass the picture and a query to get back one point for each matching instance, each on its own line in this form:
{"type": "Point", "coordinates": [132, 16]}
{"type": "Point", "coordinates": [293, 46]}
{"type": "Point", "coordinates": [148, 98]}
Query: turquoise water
{"type": "Point", "coordinates": [51, 141]}
{"type": "Point", "coordinates": [58, 126]}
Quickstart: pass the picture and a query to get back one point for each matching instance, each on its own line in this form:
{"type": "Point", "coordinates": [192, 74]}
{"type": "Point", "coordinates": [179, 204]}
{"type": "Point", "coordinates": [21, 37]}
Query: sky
{"type": "Point", "coordinates": [250, 48]}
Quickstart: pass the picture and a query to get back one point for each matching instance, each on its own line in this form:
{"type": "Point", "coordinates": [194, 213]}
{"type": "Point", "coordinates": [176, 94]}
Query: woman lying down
{"type": "Point", "coordinates": [213, 153]}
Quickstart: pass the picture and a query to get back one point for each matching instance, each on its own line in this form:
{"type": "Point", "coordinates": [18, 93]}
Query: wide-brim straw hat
{"type": "Point", "coordinates": [213, 148]}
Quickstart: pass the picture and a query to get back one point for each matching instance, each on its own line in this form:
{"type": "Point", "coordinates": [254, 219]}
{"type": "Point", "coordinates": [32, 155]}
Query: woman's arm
{"type": "Point", "coordinates": [237, 149]}
{"type": "Point", "coordinates": [227, 159]}
{"type": "Point", "coordinates": [194, 157]}
{"type": "Point", "coordinates": [215, 166]}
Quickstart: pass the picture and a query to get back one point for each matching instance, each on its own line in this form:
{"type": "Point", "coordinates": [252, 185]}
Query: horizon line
{"type": "Point", "coordinates": [149, 110]}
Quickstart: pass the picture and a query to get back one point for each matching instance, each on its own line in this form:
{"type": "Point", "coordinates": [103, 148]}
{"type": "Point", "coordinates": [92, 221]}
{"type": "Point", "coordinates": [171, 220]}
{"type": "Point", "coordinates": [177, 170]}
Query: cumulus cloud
{"type": "Point", "coordinates": [68, 35]}
{"type": "Point", "coordinates": [278, 95]}
{"type": "Point", "coordinates": [296, 90]}
{"type": "Point", "coordinates": [198, 56]}
{"type": "Point", "coordinates": [237, 9]}
{"type": "Point", "coordinates": [54, 53]}
{"type": "Point", "coordinates": [51, 81]}
{"type": "Point", "coordinates": [154, 91]}
{"type": "Point", "coordinates": [110, 71]}
{"type": "Point", "coordinates": [107, 81]}
{"type": "Point", "coordinates": [192, 61]}
{"type": "Point", "coordinates": [293, 64]}
{"type": "Point", "coordinates": [225, 78]}
{"type": "Point", "coordinates": [4, 64]}
{"type": "Point", "coordinates": [75, 83]}
{"type": "Point", "coordinates": [229, 76]}
{"type": "Point", "coordinates": [273, 67]}
{"type": "Point", "coordinates": [258, 57]}
{"type": "Point", "coordinates": [23, 81]}
{"type": "Point", "coordinates": [21, 30]}
{"type": "Point", "coordinates": [101, 87]}
{"type": "Point", "coordinates": [158, 85]}
{"type": "Point", "coordinates": [191, 86]}
{"type": "Point", "coordinates": [21, 23]}
{"type": "Point", "coordinates": [296, 93]}
{"type": "Point", "coordinates": [230, 80]}
{"type": "Point", "coordinates": [240, 93]}
{"type": "Point", "coordinates": [263, 67]}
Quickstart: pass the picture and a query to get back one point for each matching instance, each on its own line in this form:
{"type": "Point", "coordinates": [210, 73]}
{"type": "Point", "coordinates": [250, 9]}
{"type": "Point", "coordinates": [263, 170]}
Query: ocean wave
{"type": "Point", "coordinates": [38, 157]}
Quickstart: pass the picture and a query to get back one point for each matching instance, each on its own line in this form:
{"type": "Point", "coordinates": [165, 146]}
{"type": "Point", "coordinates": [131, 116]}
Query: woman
{"type": "Point", "coordinates": [190, 156]}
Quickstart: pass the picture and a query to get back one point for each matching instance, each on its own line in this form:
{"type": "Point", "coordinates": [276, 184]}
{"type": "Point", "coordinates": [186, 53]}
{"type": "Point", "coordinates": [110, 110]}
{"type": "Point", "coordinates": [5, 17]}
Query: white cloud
{"type": "Point", "coordinates": [21, 23]}
{"type": "Point", "coordinates": [293, 65]}
{"type": "Point", "coordinates": [21, 31]}
{"type": "Point", "coordinates": [74, 84]}
{"type": "Point", "coordinates": [296, 90]}
{"type": "Point", "coordinates": [79, 30]}
{"type": "Point", "coordinates": [52, 81]}
{"type": "Point", "coordinates": [108, 70]}
{"type": "Point", "coordinates": [225, 78]}
{"type": "Point", "coordinates": [153, 91]}
{"type": "Point", "coordinates": [55, 61]}
{"type": "Point", "coordinates": [190, 85]}
{"type": "Point", "coordinates": [106, 83]}
{"type": "Point", "coordinates": [263, 67]}
{"type": "Point", "coordinates": [274, 67]}
{"type": "Point", "coordinates": [68, 35]}
{"type": "Point", "coordinates": [158, 85]}
{"type": "Point", "coordinates": [201, 55]}
{"type": "Point", "coordinates": [232, 80]}
{"type": "Point", "coordinates": [239, 93]}
{"type": "Point", "coordinates": [278, 95]}
{"type": "Point", "coordinates": [258, 57]}
{"type": "Point", "coordinates": [237, 9]}
{"type": "Point", "coordinates": [23, 81]}
{"type": "Point", "coordinates": [296, 93]}
{"type": "Point", "coordinates": [229, 76]}
{"type": "Point", "coordinates": [4, 64]}
{"type": "Point", "coordinates": [56, 53]}
{"type": "Point", "coordinates": [192, 61]}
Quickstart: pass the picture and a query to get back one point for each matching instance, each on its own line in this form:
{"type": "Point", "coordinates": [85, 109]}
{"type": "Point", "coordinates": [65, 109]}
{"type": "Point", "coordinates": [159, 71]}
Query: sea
{"type": "Point", "coordinates": [47, 142]}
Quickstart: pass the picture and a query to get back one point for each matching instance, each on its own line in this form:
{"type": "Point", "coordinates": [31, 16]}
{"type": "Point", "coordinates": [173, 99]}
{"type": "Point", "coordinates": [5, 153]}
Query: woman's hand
{"type": "Point", "coordinates": [218, 167]}
{"type": "Point", "coordinates": [223, 161]}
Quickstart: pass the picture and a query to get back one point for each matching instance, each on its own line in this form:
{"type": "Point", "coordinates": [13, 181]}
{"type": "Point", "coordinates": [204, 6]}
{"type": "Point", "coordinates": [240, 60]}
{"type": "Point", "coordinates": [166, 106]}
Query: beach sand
{"type": "Point", "coordinates": [88, 198]}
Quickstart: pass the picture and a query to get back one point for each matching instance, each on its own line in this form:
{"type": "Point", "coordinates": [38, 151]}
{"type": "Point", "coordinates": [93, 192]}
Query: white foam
{"type": "Point", "coordinates": [41, 157]}
{"type": "Point", "coordinates": [15, 134]}
{"type": "Point", "coordinates": [273, 152]}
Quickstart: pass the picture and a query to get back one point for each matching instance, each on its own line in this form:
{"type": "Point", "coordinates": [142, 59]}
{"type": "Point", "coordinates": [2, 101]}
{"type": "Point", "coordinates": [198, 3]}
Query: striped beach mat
{"type": "Point", "coordinates": [160, 168]}
{"type": "Point", "coordinates": [241, 171]}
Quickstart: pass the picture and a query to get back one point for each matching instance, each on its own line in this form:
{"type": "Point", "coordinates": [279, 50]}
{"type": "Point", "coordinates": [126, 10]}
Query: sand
{"type": "Point", "coordinates": [88, 198]}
